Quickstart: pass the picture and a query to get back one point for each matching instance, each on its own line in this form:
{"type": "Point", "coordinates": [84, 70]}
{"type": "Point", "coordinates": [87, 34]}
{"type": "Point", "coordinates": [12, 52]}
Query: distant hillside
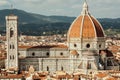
{"type": "Point", "coordinates": [36, 24]}
{"type": "Point", "coordinates": [26, 18]}
{"type": "Point", "coordinates": [110, 23]}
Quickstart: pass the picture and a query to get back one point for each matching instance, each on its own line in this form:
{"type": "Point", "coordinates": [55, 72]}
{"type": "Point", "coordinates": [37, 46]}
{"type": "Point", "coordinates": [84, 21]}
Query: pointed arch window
{"type": "Point", "coordinates": [13, 57]}
{"type": "Point", "coordinates": [62, 68]}
{"type": "Point", "coordinates": [100, 45]}
{"type": "Point", "coordinates": [10, 46]}
{"type": "Point", "coordinates": [10, 57]}
{"type": "Point", "coordinates": [18, 54]}
{"type": "Point", "coordinates": [47, 68]}
{"type": "Point", "coordinates": [89, 65]}
{"type": "Point", "coordinates": [13, 47]}
{"type": "Point", "coordinates": [11, 32]}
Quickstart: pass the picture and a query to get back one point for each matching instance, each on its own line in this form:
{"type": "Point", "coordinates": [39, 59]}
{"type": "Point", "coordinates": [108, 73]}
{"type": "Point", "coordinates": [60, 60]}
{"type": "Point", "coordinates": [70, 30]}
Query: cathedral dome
{"type": "Point", "coordinates": [85, 26]}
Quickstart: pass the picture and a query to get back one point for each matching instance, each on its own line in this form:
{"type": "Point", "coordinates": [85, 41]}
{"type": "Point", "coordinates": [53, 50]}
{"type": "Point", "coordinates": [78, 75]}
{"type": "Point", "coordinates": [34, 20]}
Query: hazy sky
{"type": "Point", "coordinates": [98, 8]}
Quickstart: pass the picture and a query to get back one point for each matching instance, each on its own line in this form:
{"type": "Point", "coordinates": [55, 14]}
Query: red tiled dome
{"type": "Point", "coordinates": [74, 52]}
{"type": "Point", "coordinates": [85, 26]}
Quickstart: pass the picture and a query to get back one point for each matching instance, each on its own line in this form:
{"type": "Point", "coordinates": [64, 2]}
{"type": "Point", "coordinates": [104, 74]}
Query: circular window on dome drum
{"type": "Point", "coordinates": [75, 45]}
{"type": "Point", "coordinates": [88, 45]}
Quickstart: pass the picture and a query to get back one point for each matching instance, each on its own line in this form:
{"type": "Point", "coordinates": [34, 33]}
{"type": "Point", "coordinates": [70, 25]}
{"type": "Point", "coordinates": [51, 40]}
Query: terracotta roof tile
{"type": "Point", "coordinates": [43, 46]}
{"type": "Point", "coordinates": [2, 58]}
{"type": "Point", "coordinates": [25, 47]}
{"type": "Point", "coordinates": [88, 28]}
{"type": "Point", "coordinates": [112, 78]}
{"type": "Point", "coordinates": [11, 76]}
{"type": "Point", "coordinates": [75, 29]}
{"type": "Point", "coordinates": [74, 52]}
{"type": "Point", "coordinates": [101, 75]}
{"type": "Point", "coordinates": [114, 48]}
{"type": "Point", "coordinates": [98, 28]}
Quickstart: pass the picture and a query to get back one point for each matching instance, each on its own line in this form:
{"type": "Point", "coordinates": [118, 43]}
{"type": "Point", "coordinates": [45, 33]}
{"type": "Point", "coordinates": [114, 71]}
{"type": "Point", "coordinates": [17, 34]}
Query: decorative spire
{"type": "Point", "coordinates": [85, 8]}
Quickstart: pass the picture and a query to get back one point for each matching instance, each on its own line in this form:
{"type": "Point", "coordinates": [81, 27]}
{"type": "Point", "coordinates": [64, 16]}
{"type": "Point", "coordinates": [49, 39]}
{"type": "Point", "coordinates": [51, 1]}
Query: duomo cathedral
{"type": "Point", "coordinates": [85, 48]}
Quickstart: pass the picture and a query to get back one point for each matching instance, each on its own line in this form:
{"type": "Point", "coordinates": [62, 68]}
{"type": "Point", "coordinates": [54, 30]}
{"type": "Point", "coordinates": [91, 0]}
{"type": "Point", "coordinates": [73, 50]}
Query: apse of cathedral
{"type": "Point", "coordinates": [85, 49]}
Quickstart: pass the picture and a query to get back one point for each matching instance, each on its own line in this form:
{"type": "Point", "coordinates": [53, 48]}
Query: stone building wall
{"type": "Point", "coordinates": [49, 64]}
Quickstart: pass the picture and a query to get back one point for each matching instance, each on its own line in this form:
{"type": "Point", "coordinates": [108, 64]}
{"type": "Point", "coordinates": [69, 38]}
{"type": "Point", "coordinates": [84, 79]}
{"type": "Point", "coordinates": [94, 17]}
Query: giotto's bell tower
{"type": "Point", "coordinates": [12, 41]}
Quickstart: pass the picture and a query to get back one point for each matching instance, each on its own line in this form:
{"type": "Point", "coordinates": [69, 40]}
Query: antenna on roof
{"type": "Point", "coordinates": [11, 8]}
{"type": "Point", "coordinates": [85, 1]}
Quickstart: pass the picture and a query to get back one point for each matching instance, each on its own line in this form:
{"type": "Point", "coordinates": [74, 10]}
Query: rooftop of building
{"type": "Point", "coordinates": [2, 58]}
{"type": "Point", "coordinates": [44, 46]}
{"type": "Point", "coordinates": [114, 48]}
{"type": "Point", "coordinates": [61, 75]}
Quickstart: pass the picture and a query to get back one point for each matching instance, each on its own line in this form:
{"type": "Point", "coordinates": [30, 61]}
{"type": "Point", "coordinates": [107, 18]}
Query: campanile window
{"type": "Point", "coordinates": [11, 32]}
